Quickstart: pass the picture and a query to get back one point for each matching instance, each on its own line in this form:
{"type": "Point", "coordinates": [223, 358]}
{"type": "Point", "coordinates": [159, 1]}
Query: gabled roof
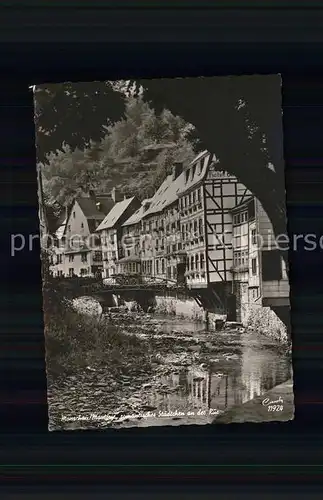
{"type": "Point", "coordinates": [243, 203]}
{"type": "Point", "coordinates": [90, 209]}
{"type": "Point", "coordinates": [61, 229]}
{"type": "Point", "coordinates": [166, 194]}
{"type": "Point", "coordinates": [197, 170]}
{"type": "Point", "coordinates": [171, 189]}
{"type": "Point", "coordinates": [115, 213]}
{"type": "Point", "coordinates": [131, 258]}
{"type": "Point", "coordinates": [137, 216]}
{"type": "Point", "coordinates": [62, 222]}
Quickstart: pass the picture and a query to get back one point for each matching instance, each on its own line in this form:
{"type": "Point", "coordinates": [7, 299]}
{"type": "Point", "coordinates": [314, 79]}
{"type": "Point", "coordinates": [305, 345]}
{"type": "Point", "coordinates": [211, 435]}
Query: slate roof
{"type": "Point", "coordinates": [201, 163]}
{"type": "Point", "coordinates": [243, 203]}
{"type": "Point", "coordinates": [90, 210]}
{"type": "Point", "coordinates": [61, 229]}
{"type": "Point", "coordinates": [130, 258]}
{"type": "Point", "coordinates": [115, 213]}
{"type": "Point", "coordinates": [170, 189]}
{"type": "Point", "coordinates": [166, 194]}
{"type": "Point", "coordinates": [137, 215]}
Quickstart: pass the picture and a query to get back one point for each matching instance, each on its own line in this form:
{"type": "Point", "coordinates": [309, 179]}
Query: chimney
{"type": "Point", "coordinates": [92, 194]}
{"type": "Point", "coordinates": [146, 204]}
{"type": "Point", "coordinates": [177, 169]}
{"type": "Point", "coordinates": [116, 196]}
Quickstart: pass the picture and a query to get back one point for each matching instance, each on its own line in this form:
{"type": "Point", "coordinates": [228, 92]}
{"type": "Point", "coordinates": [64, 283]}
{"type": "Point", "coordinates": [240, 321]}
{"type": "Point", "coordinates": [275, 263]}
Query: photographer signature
{"type": "Point", "coordinates": [268, 402]}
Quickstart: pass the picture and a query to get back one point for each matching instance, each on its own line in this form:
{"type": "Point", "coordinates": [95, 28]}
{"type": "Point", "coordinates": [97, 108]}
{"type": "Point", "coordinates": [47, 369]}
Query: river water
{"type": "Point", "coordinates": [205, 373]}
{"type": "Point", "coordinates": [194, 376]}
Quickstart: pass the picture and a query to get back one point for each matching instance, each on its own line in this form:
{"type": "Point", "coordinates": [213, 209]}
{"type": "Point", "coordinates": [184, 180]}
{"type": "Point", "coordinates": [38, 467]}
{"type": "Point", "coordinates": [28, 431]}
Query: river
{"type": "Point", "coordinates": [198, 375]}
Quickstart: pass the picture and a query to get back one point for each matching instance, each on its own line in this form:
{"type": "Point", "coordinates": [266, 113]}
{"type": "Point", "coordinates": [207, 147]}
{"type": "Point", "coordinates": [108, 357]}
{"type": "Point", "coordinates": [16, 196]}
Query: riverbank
{"type": "Point", "coordinates": [254, 316]}
{"type": "Point", "coordinates": [192, 375]}
{"type": "Point", "coordinates": [258, 409]}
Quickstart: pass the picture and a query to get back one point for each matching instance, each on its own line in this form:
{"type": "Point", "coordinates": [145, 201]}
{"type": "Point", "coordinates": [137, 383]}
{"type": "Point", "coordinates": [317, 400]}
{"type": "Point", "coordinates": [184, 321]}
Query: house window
{"type": "Point", "coordinates": [187, 174]}
{"type": "Point", "coordinates": [83, 272]}
{"type": "Point", "coordinates": [70, 258]}
{"type": "Point", "coordinates": [195, 228]}
{"type": "Point", "coordinates": [200, 227]}
{"type": "Point", "coordinates": [163, 266]}
{"type": "Point", "coordinates": [71, 272]}
{"type": "Point", "coordinates": [254, 266]}
{"type": "Point", "coordinates": [202, 261]}
{"type": "Point", "coordinates": [192, 263]}
{"type": "Point", "coordinates": [193, 171]}
{"type": "Point", "coordinates": [193, 197]}
{"type": "Point", "coordinates": [197, 262]}
{"type": "Point", "coordinates": [69, 227]}
{"type": "Point", "coordinates": [82, 226]}
{"type": "Point", "coordinates": [157, 266]}
{"type": "Point", "coordinates": [253, 237]}
{"type": "Point", "coordinates": [84, 257]}
{"type": "Point", "coordinates": [237, 258]}
{"type": "Point", "coordinates": [271, 265]}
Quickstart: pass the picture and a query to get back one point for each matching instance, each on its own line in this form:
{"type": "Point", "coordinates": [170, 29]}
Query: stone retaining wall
{"type": "Point", "coordinates": [265, 321]}
{"type": "Point", "coordinates": [255, 317]}
{"type": "Point", "coordinates": [185, 308]}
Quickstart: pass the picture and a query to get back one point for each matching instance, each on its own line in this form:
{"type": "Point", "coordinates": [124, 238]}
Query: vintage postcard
{"type": "Point", "coordinates": [164, 252]}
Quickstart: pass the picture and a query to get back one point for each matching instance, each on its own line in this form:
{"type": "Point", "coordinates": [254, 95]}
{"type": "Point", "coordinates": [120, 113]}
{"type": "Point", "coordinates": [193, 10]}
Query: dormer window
{"type": "Point", "coordinates": [187, 174]}
{"type": "Point", "coordinates": [193, 171]}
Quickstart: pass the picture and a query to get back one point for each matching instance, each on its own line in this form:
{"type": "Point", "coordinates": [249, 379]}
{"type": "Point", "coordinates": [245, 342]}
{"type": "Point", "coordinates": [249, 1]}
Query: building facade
{"type": "Point", "coordinates": [202, 227]}
{"type": "Point", "coordinates": [77, 247]}
{"type": "Point", "coordinates": [111, 233]}
{"type": "Point", "coordinates": [259, 270]}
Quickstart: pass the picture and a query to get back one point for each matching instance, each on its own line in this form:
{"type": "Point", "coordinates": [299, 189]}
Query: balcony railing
{"type": "Point", "coordinates": [239, 268]}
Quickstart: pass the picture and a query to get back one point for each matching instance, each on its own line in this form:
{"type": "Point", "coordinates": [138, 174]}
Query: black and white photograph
{"type": "Point", "coordinates": [164, 251]}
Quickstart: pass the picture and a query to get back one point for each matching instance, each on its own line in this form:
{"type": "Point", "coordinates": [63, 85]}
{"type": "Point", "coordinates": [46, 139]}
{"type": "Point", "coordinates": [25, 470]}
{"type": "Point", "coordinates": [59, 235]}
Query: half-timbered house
{"type": "Point", "coordinates": [205, 201]}
{"type": "Point", "coordinates": [259, 272]}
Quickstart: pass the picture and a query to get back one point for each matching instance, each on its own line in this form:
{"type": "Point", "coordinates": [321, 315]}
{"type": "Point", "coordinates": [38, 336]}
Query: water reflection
{"type": "Point", "coordinates": [231, 381]}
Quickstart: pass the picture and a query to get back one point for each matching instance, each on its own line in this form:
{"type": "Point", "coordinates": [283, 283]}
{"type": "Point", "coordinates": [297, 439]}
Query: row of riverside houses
{"type": "Point", "coordinates": [201, 228]}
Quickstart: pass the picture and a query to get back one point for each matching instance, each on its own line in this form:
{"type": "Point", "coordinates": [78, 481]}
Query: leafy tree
{"type": "Point", "coordinates": [135, 155]}
{"type": "Point", "coordinates": [239, 119]}
{"type": "Point", "coordinates": [73, 113]}
{"type": "Point", "coordinates": [69, 173]}
{"type": "Point", "coordinates": [139, 150]}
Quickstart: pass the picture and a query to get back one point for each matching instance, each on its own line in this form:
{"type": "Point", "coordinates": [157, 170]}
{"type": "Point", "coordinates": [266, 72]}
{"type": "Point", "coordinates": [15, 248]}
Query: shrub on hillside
{"type": "Point", "coordinates": [74, 341]}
